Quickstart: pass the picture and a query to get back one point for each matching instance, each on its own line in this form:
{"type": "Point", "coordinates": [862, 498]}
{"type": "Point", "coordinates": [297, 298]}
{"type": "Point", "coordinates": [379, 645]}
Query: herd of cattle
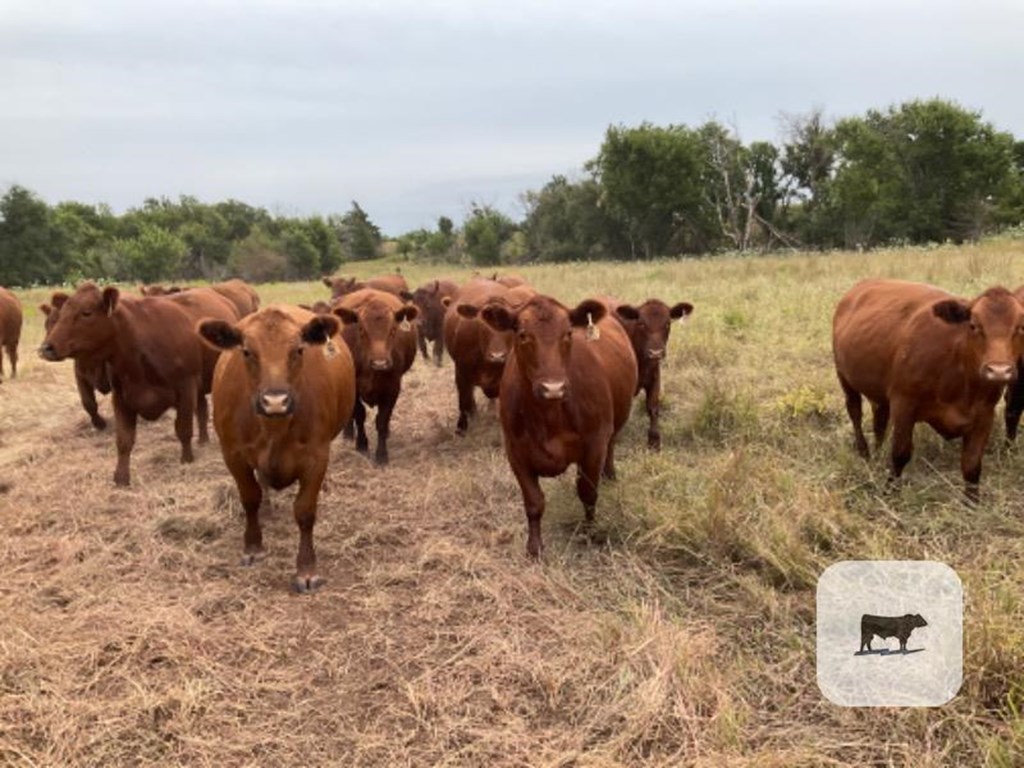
{"type": "Point", "coordinates": [286, 380]}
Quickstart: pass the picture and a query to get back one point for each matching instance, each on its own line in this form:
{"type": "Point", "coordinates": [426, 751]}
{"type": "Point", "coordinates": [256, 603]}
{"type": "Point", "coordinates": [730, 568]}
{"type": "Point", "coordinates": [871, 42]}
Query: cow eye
{"type": "Point", "coordinates": [975, 328]}
{"type": "Point", "coordinates": [87, 313]}
{"type": "Point", "coordinates": [247, 353]}
{"type": "Point", "coordinates": [523, 336]}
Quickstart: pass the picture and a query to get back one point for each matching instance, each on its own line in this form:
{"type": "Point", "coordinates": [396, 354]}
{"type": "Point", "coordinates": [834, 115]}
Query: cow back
{"type": "Point", "coordinates": [10, 318]}
{"type": "Point", "coordinates": [242, 295]}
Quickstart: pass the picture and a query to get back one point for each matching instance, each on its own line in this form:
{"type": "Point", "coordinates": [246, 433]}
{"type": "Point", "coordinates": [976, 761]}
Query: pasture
{"type": "Point", "coordinates": [680, 631]}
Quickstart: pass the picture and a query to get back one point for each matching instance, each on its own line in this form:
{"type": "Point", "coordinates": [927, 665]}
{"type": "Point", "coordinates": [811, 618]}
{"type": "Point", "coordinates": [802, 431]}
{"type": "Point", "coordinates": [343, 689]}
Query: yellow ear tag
{"type": "Point", "coordinates": [593, 332]}
{"type": "Point", "coordinates": [330, 350]}
{"type": "Point", "coordinates": [405, 325]}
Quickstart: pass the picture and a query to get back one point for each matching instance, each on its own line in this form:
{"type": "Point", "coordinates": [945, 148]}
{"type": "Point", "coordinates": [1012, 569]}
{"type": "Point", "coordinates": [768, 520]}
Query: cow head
{"type": "Point", "coordinates": [496, 343]}
{"type": "Point", "coordinates": [377, 324]}
{"type": "Point", "coordinates": [319, 307]}
{"type": "Point", "coordinates": [79, 324]}
{"type": "Point", "coordinates": [915, 620]}
{"type": "Point", "coordinates": [428, 301]}
{"type": "Point", "coordinates": [649, 326]}
{"type": "Point", "coordinates": [52, 310]}
{"type": "Point", "coordinates": [993, 326]}
{"type": "Point", "coordinates": [158, 290]}
{"type": "Point", "coordinates": [543, 330]}
{"type": "Point", "coordinates": [273, 345]}
{"type": "Point", "coordinates": [341, 286]}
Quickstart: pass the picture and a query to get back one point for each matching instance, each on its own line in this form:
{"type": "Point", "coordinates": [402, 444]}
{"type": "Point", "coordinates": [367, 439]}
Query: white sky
{"type": "Point", "coordinates": [416, 109]}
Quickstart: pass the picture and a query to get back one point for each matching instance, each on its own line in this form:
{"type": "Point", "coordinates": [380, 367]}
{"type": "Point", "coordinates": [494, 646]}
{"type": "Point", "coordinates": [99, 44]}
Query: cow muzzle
{"type": "Point", "coordinates": [552, 390]}
{"type": "Point", "coordinates": [998, 372]}
{"type": "Point", "coordinates": [381, 364]}
{"type": "Point", "coordinates": [496, 357]}
{"type": "Point", "coordinates": [656, 354]}
{"type": "Point", "coordinates": [48, 352]}
{"type": "Point", "coordinates": [275, 404]}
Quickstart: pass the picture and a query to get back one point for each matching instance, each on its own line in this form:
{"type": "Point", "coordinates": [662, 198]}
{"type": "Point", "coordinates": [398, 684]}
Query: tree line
{"type": "Point", "coordinates": [922, 171]}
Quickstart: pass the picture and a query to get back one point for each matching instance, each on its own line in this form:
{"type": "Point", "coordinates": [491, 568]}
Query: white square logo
{"type": "Point", "coordinates": [890, 633]}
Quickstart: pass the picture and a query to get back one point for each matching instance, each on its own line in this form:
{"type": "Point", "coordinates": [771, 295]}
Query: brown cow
{"type": "Point", "coordinates": [478, 351]}
{"type": "Point", "coordinates": [153, 356]}
{"type": "Point", "coordinates": [918, 353]}
{"type": "Point", "coordinates": [10, 330]}
{"type": "Point", "coordinates": [341, 286]}
{"type": "Point", "coordinates": [282, 391]}
{"type": "Point", "coordinates": [648, 326]}
{"type": "Point", "coordinates": [318, 307]}
{"type": "Point", "coordinates": [1015, 391]}
{"type": "Point", "coordinates": [429, 300]}
{"type": "Point", "coordinates": [242, 295]}
{"type": "Point", "coordinates": [565, 394]}
{"type": "Point", "coordinates": [90, 374]}
{"type": "Point", "coordinates": [379, 333]}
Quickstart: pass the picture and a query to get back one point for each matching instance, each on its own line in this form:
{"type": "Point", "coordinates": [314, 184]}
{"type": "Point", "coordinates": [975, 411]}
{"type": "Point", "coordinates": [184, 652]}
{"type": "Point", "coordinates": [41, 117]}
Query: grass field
{"type": "Point", "coordinates": [681, 632]}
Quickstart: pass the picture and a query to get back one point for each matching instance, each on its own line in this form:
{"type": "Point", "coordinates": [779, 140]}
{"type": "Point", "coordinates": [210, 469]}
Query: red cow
{"type": "Point", "coordinates": [429, 300]}
{"type": "Point", "coordinates": [90, 375]}
{"type": "Point", "coordinates": [153, 357]}
{"type": "Point", "coordinates": [478, 351]}
{"type": "Point", "coordinates": [379, 333]}
{"type": "Point", "coordinates": [918, 353]}
{"type": "Point", "coordinates": [648, 326]}
{"type": "Point", "coordinates": [10, 330]}
{"type": "Point", "coordinates": [242, 295]}
{"type": "Point", "coordinates": [282, 391]}
{"type": "Point", "coordinates": [565, 394]}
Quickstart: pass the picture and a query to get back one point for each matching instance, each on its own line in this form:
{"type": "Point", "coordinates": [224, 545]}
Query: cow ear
{"type": "Point", "coordinates": [219, 334]}
{"type": "Point", "coordinates": [320, 329]}
{"type": "Point", "coordinates": [628, 312]}
{"type": "Point", "coordinates": [307, 307]}
{"type": "Point", "coordinates": [406, 295]}
{"type": "Point", "coordinates": [143, 289]}
{"type": "Point", "coordinates": [586, 312]}
{"type": "Point", "coordinates": [110, 298]}
{"type": "Point", "coordinates": [347, 315]}
{"type": "Point", "coordinates": [46, 309]}
{"type": "Point", "coordinates": [953, 311]}
{"type": "Point", "coordinates": [467, 310]}
{"type": "Point", "coordinates": [407, 313]}
{"type": "Point", "coordinates": [437, 287]}
{"type": "Point", "coordinates": [175, 289]}
{"type": "Point", "coordinates": [498, 317]}
{"type": "Point", "coordinates": [328, 282]}
{"type": "Point", "coordinates": [446, 301]}
{"type": "Point", "coordinates": [680, 310]}
{"type": "Point", "coordinates": [58, 299]}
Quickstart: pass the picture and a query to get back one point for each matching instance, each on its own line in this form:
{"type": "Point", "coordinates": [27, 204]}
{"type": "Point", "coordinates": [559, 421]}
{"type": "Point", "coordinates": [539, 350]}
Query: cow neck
{"type": "Point", "coordinates": [127, 354]}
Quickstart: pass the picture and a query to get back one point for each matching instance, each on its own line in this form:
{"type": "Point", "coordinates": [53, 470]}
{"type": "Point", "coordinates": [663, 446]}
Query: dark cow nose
{"type": "Point", "coordinates": [275, 403]}
{"type": "Point", "coordinates": [381, 364]}
{"type": "Point", "coordinates": [47, 352]}
{"type": "Point", "coordinates": [998, 371]}
{"type": "Point", "coordinates": [552, 390]}
{"type": "Point", "coordinates": [496, 357]}
{"type": "Point", "coordinates": [656, 354]}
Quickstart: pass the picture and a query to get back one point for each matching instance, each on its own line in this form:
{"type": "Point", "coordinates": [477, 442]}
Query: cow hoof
{"type": "Point", "coordinates": [122, 481]}
{"type": "Point", "coordinates": [99, 422]}
{"type": "Point", "coordinates": [307, 584]}
{"type": "Point", "coordinates": [249, 559]}
{"type": "Point", "coordinates": [382, 461]}
{"type": "Point", "coordinates": [204, 439]}
{"type": "Point", "coordinates": [187, 458]}
{"type": "Point", "coordinates": [362, 447]}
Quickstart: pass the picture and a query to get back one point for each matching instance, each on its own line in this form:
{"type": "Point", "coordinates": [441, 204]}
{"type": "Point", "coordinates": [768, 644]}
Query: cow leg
{"type": "Point", "coordinates": [1014, 403]}
{"type": "Point", "coordinates": [865, 640]}
{"type": "Point", "coordinates": [587, 478]}
{"type": "Point", "coordinates": [251, 494]}
{"type": "Point", "coordinates": [187, 397]}
{"type": "Point", "coordinates": [359, 417]}
{"type": "Point", "coordinates": [12, 352]}
{"type": "Point", "coordinates": [439, 351]}
{"type": "Point", "coordinates": [125, 420]}
{"type": "Point", "coordinates": [971, 452]}
{"type": "Point", "coordinates": [384, 410]}
{"type": "Point", "coordinates": [879, 421]}
{"type": "Point", "coordinates": [349, 431]}
{"type": "Point", "coordinates": [608, 471]}
{"type": "Point", "coordinates": [902, 438]}
{"type": "Point", "coordinates": [306, 578]}
{"type": "Point", "coordinates": [467, 405]}
{"type": "Point", "coordinates": [533, 503]}
{"type": "Point", "coordinates": [203, 418]}
{"type": "Point", "coordinates": [652, 397]}
{"type": "Point", "coordinates": [421, 341]}
{"type": "Point", "coordinates": [87, 395]}
{"type": "Point", "coordinates": [854, 407]}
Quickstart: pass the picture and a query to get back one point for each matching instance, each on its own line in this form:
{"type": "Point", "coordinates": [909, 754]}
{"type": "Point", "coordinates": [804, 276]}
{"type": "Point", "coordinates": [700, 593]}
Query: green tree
{"type": "Point", "coordinates": [325, 240]}
{"type": "Point", "coordinates": [565, 221]}
{"type": "Point", "coordinates": [152, 256]}
{"type": "Point", "coordinates": [360, 238]}
{"type": "Point", "coordinates": [257, 258]}
{"type": "Point", "coordinates": [31, 247]}
{"type": "Point", "coordinates": [484, 231]}
{"type": "Point", "coordinates": [301, 254]}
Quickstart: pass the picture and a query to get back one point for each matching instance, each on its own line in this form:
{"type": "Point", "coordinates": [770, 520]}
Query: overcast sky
{"type": "Point", "coordinates": [416, 109]}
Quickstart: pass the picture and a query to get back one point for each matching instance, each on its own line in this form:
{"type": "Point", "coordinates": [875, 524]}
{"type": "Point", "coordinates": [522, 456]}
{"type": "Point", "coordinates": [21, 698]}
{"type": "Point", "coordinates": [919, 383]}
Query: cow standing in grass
{"type": "Point", "coordinates": [242, 295]}
{"type": "Point", "coordinates": [648, 327]}
{"type": "Point", "coordinates": [379, 333]}
{"type": "Point", "coordinates": [10, 330]}
{"type": "Point", "coordinates": [342, 286]}
{"type": "Point", "coordinates": [429, 300]}
{"type": "Point", "coordinates": [918, 353]}
{"type": "Point", "coordinates": [90, 374]}
{"type": "Point", "coordinates": [566, 393]}
{"type": "Point", "coordinates": [283, 389]}
{"type": "Point", "coordinates": [152, 355]}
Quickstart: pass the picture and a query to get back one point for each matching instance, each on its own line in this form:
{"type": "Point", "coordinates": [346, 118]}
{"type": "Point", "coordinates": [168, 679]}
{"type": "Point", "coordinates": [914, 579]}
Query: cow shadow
{"type": "Point", "coordinates": [888, 652]}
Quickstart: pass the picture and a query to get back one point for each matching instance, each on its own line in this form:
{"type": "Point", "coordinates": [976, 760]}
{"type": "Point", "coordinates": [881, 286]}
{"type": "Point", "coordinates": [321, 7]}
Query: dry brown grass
{"type": "Point", "coordinates": [679, 633]}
